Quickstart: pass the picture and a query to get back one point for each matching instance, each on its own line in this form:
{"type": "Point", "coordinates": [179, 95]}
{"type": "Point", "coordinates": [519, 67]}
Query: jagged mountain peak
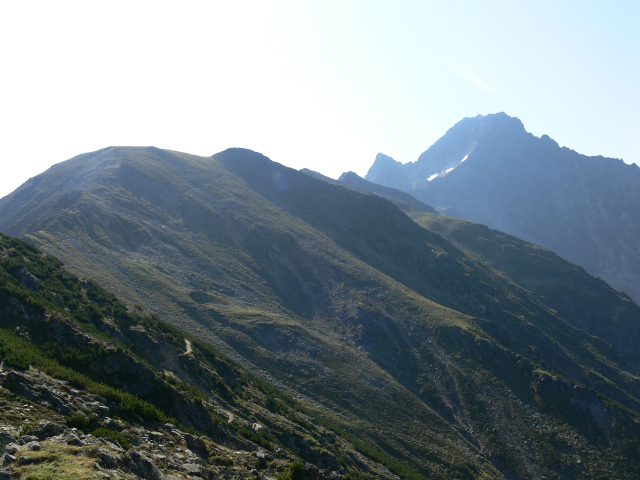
{"type": "Point", "coordinates": [446, 154]}
{"type": "Point", "coordinates": [489, 169]}
{"type": "Point", "coordinates": [497, 121]}
{"type": "Point", "coordinates": [382, 158]}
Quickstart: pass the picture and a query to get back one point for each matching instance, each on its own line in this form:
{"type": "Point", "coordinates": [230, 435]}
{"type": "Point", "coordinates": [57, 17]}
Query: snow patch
{"type": "Point", "coordinates": [447, 170]}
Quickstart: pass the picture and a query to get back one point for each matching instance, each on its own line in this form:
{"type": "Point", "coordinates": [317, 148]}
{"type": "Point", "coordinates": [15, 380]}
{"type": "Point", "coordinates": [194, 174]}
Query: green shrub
{"type": "Point", "coordinates": [107, 433]}
{"type": "Point", "coordinates": [82, 422]}
{"type": "Point", "coordinates": [295, 471]}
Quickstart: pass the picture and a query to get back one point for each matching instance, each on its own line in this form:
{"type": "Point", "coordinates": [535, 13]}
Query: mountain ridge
{"type": "Point", "coordinates": [432, 355]}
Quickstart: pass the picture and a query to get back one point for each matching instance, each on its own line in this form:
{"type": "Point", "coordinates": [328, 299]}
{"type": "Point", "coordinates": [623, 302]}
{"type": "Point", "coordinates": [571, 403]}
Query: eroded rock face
{"type": "Point", "coordinates": [27, 279]}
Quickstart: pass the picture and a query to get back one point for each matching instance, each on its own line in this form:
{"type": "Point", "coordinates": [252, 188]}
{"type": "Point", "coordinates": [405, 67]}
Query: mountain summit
{"type": "Point", "coordinates": [489, 170]}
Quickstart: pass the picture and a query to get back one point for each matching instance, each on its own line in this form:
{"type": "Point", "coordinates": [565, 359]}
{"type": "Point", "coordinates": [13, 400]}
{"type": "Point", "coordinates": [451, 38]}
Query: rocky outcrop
{"type": "Point", "coordinates": [153, 451]}
{"type": "Point", "coordinates": [27, 279]}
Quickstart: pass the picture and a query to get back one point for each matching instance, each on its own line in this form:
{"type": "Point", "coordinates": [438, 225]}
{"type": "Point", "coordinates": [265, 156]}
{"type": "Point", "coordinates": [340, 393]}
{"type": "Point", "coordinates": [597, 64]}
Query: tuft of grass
{"type": "Point", "coordinates": [55, 462]}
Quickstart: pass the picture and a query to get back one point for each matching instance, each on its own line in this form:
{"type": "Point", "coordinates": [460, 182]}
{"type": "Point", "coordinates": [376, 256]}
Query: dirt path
{"type": "Point", "coordinates": [187, 344]}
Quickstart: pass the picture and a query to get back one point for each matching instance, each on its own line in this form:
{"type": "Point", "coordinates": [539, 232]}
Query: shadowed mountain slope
{"type": "Point", "coordinates": [488, 169]}
{"type": "Point", "coordinates": [453, 364]}
{"type": "Point", "coordinates": [127, 381]}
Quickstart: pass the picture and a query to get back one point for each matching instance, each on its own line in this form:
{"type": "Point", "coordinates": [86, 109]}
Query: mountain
{"type": "Point", "coordinates": [404, 201]}
{"type": "Point", "coordinates": [88, 384]}
{"type": "Point", "coordinates": [489, 170]}
{"type": "Point", "coordinates": [437, 349]}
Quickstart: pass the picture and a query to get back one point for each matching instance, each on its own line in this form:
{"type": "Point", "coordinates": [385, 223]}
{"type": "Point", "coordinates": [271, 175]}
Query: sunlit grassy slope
{"type": "Point", "coordinates": [457, 356]}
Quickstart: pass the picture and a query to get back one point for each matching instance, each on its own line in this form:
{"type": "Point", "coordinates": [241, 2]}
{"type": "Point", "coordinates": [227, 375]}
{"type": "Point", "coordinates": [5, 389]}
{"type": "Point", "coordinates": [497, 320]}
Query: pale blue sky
{"type": "Point", "coordinates": [319, 84]}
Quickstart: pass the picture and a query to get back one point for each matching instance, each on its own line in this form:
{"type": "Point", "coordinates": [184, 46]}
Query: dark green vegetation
{"type": "Point", "coordinates": [488, 169]}
{"type": "Point", "coordinates": [445, 350]}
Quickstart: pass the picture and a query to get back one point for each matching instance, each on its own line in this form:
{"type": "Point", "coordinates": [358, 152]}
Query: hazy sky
{"type": "Point", "coordinates": [319, 84]}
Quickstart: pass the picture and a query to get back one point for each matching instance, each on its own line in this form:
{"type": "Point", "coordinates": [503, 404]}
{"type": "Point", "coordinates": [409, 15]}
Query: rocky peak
{"type": "Point", "coordinates": [386, 171]}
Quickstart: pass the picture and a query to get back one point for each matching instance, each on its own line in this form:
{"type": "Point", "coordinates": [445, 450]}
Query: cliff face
{"type": "Point", "coordinates": [490, 170]}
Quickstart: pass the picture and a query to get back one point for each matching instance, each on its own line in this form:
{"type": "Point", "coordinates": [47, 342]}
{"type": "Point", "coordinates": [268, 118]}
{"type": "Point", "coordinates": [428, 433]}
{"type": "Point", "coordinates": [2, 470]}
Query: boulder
{"type": "Point", "coordinates": [12, 448]}
{"type": "Point", "coordinates": [34, 446]}
{"type": "Point", "coordinates": [46, 430]}
{"type": "Point", "coordinates": [108, 459]}
{"type": "Point", "coordinates": [143, 467]}
{"type": "Point", "coordinates": [196, 443]}
{"type": "Point", "coordinates": [6, 438]}
{"type": "Point", "coordinates": [73, 439]}
{"type": "Point", "coordinates": [27, 439]}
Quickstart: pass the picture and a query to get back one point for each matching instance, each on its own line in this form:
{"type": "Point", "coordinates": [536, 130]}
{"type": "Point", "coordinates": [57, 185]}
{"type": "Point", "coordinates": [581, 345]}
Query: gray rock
{"type": "Point", "coordinates": [196, 443]}
{"type": "Point", "coordinates": [46, 430]}
{"type": "Point", "coordinates": [113, 424]}
{"type": "Point", "coordinates": [6, 474]}
{"type": "Point", "coordinates": [6, 438]}
{"type": "Point", "coordinates": [12, 448]}
{"type": "Point", "coordinates": [112, 444]}
{"type": "Point", "coordinates": [7, 459]}
{"type": "Point", "coordinates": [27, 438]}
{"type": "Point", "coordinates": [264, 455]}
{"type": "Point", "coordinates": [192, 468]}
{"type": "Point", "coordinates": [108, 459]}
{"type": "Point", "coordinates": [143, 466]}
{"type": "Point", "coordinates": [102, 409]}
{"type": "Point", "coordinates": [34, 446]}
{"type": "Point", "coordinates": [73, 439]}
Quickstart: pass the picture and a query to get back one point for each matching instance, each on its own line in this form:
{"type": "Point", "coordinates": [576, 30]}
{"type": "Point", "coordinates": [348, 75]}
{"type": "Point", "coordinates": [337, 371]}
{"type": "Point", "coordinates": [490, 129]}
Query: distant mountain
{"type": "Point", "coordinates": [437, 347]}
{"type": "Point", "coordinates": [406, 202]}
{"type": "Point", "coordinates": [488, 169]}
